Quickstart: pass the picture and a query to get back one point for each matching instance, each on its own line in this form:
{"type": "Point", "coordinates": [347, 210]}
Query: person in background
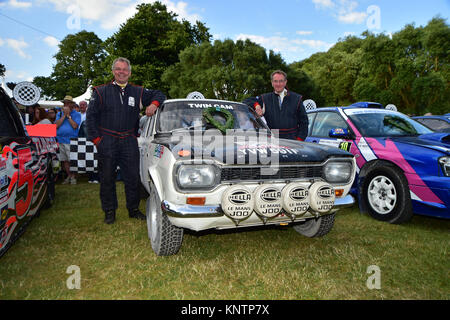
{"type": "Point", "coordinates": [113, 124]}
{"type": "Point", "coordinates": [67, 123]}
{"type": "Point", "coordinates": [40, 115]}
{"type": "Point", "coordinates": [29, 111]}
{"type": "Point", "coordinates": [83, 108]}
{"type": "Point", "coordinates": [282, 109]}
{"type": "Point", "coordinates": [51, 115]}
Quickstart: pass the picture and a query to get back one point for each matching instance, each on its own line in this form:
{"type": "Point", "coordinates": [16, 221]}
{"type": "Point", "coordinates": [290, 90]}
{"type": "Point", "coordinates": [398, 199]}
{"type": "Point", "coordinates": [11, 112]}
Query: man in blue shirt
{"type": "Point", "coordinates": [67, 124]}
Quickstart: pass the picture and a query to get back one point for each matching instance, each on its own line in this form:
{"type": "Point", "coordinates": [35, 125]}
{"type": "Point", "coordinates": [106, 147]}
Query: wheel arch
{"type": "Point", "coordinates": [364, 171]}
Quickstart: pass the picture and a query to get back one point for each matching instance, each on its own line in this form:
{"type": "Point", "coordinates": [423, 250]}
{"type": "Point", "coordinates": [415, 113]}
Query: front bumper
{"type": "Point", "coordinates": [190, 211]}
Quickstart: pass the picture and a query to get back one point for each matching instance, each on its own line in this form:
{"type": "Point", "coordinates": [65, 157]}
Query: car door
{"type": "Point", "coordinates": [18, 167]}
{"type": "Point", "coordinates": [144, 145]}
{"type": "Point", "coordinates": [322, 123]}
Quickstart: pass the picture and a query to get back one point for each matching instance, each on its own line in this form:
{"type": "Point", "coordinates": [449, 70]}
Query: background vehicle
{"type": "Point", "coordinates": [26, 175]}
{"type": "Point", "coordinates": [435, 123]}
{"type": "Point", "coordinates": [402, 166]}
{"type": "Point", "coordinates": [199, 178]}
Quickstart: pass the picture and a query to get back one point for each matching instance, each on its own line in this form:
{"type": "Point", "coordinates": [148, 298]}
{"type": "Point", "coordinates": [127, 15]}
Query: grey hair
{"type": "Point", "coordinates": [278, 72]}
{"type": "Point", "coordinates": [121, 59]}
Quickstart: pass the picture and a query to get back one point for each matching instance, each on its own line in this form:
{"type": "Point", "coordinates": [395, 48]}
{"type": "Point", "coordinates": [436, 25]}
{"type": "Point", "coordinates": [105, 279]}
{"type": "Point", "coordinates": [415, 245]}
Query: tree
{"type": "Point", "coordinates": [228, 70]}
{"type": "Point", "coordinates": [78, 62]}
{"type": "Point", "coordinates": [334, 72]}
{"type": "Point", "coordinates": [2, 70]}
{"type": "Point", "coordinates": [409, 68]}
{"type": "Point", "coordinates": [152, 40]}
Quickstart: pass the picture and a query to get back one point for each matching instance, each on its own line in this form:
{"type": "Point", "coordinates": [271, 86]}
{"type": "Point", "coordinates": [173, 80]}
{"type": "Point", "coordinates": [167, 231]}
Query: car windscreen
{"type": "Point", "coordinates": [189, 114]}
{"type": "Point", "coordinates": [385, 124]}
{"type": "Point", "coordinates": [9, 126]}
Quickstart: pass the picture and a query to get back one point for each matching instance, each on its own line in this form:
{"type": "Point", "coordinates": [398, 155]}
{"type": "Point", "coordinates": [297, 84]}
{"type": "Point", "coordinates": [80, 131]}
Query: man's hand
{"type": "Point", "coordinates": [66, 111]}
{"type": "Point", "coordinates": [150, 110]}
{"type": "Point", "coordinates": [259, 111]}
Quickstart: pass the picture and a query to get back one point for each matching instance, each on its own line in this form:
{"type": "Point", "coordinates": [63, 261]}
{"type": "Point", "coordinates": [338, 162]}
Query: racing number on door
{"type": "Point", "coordinates": [25, 180]}
{"type": "Point", "coordinates": [345, 145]}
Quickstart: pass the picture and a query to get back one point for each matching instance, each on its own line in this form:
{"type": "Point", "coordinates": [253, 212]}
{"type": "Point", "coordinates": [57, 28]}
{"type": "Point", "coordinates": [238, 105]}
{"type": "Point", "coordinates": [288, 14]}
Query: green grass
{"type": "Point", "coordinates": [116, 261]}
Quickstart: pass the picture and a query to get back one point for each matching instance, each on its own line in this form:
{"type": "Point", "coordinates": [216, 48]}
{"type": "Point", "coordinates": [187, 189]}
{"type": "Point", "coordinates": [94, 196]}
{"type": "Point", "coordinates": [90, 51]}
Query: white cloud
{"type": "Point", "coordinates": [290, 49]}
{"type": "Point", "coordinates": [19, 4]}
{"type": "Point", "coordinates": [303, 33]}
{"type": "Point", "coordinates": [323, 3]}
{"type": "Point", "coordinates": [51, 41]}
{"type": "Point", "coordinates": [343, 10]}
{"type": "Point", "coordinates": [1, 42]}
{"type": "Point", "coordinates": [275, 43]}
{"type": "Point", "coordinates": [315, 44]}
{"type": "Point", "coordinates": [17, 76]}
{"type": "Point", "coordinates": [353, 17]}
{"type": "Point", "coordinates": [18, 46]}
{"type": "Point", "coordinates": [112, 13]}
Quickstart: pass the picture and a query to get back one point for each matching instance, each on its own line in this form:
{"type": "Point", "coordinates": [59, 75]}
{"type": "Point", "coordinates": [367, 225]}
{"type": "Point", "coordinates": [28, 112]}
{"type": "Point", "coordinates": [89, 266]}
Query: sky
{"type": "Point", "coordinates": [30, 31]}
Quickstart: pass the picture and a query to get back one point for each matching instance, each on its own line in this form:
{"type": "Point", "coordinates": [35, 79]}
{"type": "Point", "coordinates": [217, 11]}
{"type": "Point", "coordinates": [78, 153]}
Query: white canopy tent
{"type": "Point", "coordinates": [5, 87]}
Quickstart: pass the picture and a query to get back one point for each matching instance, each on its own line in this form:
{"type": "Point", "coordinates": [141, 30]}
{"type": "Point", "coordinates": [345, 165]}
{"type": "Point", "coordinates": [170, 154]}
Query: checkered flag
{"type": "Point", "coordinates": [83, 156]}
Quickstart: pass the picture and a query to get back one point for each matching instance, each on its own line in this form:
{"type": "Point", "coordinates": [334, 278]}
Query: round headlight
{"type": "Point", "coordinates": [338, 171]}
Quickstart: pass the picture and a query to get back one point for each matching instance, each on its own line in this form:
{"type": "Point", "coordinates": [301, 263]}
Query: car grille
{"type": "Point", "coordinates": [283, 172]}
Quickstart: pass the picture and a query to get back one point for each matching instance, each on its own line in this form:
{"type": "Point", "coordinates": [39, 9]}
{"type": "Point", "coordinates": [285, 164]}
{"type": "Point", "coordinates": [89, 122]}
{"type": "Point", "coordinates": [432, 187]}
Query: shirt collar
{"type": "Point", "coordinates": [282, 94]}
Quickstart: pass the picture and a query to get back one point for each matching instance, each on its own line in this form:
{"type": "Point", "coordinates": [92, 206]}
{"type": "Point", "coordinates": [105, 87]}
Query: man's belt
{"type": "Point", "coordinates": [117, 134]}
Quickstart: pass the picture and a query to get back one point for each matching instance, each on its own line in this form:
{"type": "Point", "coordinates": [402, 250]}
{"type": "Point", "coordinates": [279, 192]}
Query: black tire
{"type": "Point", "coordinates": [386, 195]}
{"type": "Point", "coordinates": [165, 238]}
{"type": "Point", "coordinates": [316, 227]}
{"type": "Point", "coordinates": [50, 194]}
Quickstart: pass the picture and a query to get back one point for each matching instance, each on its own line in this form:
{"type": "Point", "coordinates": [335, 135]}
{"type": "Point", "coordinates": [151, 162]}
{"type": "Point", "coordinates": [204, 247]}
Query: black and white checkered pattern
{"type": "Point", "coordinates": [83, 156]}
{"type": "Point", "coordinates": [26, 93]}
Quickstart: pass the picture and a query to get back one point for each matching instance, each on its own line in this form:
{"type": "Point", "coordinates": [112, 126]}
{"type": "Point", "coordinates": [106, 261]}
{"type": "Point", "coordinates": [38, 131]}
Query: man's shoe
{"type": "Point", "coordinates": [73, 180]}
{"type": "Point", "coordinates": [110, 217]}
{"type": "Point", "coordinates": [136, 214]}
{"type": "Point", "coordinates": [66, 181]}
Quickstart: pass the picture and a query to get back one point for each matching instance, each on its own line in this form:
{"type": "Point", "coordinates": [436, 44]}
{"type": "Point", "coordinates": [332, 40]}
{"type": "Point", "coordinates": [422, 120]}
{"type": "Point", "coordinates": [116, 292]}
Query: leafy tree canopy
{"type": "Point", "coordinates": [229, 70]}
{"type": "Point", "coordinates": [152, 40]}
{"type": "Point", "coordinates": [78, 62]}
{"type": "Point", "coordinates": [410, 69]}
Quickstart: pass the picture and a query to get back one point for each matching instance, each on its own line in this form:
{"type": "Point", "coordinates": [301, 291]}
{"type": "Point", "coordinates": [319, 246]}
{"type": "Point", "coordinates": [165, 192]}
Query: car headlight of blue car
{"type": "Point", "coordinates": [445, 165]}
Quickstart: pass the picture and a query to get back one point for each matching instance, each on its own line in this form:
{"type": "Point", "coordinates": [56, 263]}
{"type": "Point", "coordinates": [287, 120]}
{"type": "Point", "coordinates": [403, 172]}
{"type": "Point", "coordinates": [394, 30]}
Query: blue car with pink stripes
{"type": "Point", "coordinates": [403, 168]}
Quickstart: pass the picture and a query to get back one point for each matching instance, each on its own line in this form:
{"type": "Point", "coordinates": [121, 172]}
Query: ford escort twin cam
{"type": "Point", "coordinates": [212, 164]}
{"type": "Point", "coordinates": [402, 166]}
{"type": "Point", "coordinates": [26, 175]}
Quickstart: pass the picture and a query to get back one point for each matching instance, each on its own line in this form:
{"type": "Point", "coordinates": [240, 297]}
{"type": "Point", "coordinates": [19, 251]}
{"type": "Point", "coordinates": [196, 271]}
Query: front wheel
{"type": "Point", "coordinates": [165, 238]}
{"type": "Point", "coordinates": [387, 196]}
{"type": "Point", "coordinates": [50, 181]}
{"type": "Point", "coordinates": [316, 227]}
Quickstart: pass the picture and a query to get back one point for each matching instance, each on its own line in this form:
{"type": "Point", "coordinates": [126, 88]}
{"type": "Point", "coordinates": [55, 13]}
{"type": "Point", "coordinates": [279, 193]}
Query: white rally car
{"type": "Point", "coordinates": [214, 164]}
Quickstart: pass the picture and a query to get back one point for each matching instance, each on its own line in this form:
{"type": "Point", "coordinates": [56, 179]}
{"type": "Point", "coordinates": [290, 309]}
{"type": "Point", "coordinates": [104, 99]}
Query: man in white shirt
{"type": "Point", "coordinates": [83, 108]}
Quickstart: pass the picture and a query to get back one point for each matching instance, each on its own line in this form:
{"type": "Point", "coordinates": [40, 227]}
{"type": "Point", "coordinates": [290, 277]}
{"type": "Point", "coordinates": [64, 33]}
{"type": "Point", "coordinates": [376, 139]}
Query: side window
{"type": "Point", "coordinates": [311, 117]}
{"type": "Point", "coordinates": [325, 121]}
{"type": "Point", "coordinates": [437, 124]}
{"type": "Point", "coordinates": [149, 126]}
{"type": "Point", "coordinates": [7, 125]}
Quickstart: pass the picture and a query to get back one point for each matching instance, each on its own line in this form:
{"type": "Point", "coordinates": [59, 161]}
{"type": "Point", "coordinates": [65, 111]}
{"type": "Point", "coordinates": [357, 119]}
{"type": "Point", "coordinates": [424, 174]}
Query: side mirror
{"type": "Point", "coordinates": [340, 133]}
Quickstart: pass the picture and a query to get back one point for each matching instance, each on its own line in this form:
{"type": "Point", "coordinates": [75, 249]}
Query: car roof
{"type": "Point", "coordinates": [445, 117]}
{"type": "Point", "coordinates": [356, 108]}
